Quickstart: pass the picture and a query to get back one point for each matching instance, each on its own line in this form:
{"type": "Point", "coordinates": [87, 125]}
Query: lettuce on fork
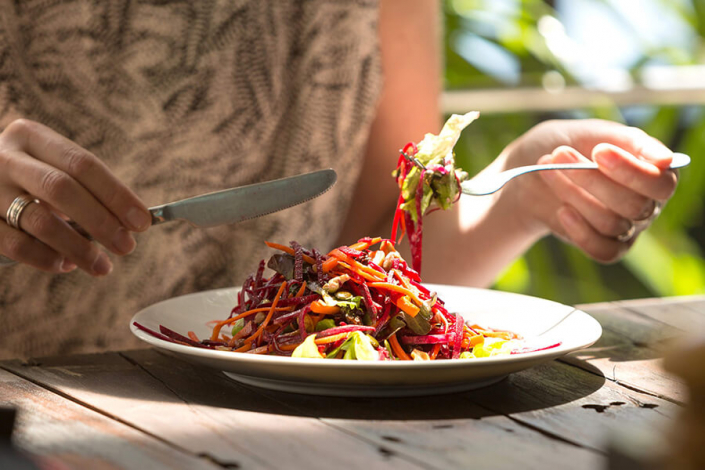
{"type": "Point", "coordinates": [428, 179]}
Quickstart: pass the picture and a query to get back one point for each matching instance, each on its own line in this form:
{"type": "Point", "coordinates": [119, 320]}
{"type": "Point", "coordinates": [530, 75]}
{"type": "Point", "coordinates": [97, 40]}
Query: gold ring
{"type": "Point", "coordinates": [14, 212]}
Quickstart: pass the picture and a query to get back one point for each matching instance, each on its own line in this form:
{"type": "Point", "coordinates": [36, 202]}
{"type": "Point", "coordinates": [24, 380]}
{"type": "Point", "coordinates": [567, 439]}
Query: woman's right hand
{"type": "Point", "coordinates": [70, 183]}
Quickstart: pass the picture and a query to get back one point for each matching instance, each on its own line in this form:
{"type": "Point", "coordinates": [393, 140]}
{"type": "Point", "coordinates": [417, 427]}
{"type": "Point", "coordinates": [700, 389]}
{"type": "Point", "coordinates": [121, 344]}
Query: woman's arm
{"type": "Point", "coordinates": [474, 241]}
{"type": "Point", "coordinates": [470, 249]}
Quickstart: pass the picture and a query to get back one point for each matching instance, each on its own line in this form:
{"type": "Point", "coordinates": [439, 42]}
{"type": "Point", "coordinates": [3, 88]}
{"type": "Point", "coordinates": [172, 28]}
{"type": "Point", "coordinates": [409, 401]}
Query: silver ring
{"type": "Point", "coordinates": [14, 212]}
{"type": "Point", "coordinates": [654, 213]}
{"type": "Point", "coordinates": [628, 235]}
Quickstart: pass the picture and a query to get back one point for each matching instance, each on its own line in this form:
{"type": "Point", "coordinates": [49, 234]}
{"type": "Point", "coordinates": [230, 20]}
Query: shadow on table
{"type": "Point", "coordinates": [146, 375]}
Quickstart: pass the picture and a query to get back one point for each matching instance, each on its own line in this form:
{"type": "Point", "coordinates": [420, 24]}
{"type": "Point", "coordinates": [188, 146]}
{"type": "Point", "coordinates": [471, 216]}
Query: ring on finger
{"type": "Point", "coordinates": [628, 235]}
{"type": "Point", "coordinates": [655, 211]}
{"type": "Point", "coordinates": [14, 212]}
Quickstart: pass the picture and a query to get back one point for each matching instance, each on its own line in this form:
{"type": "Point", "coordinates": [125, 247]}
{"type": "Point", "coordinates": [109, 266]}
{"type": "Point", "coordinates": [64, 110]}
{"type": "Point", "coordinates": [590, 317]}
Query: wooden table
{"type": "Point", "coordinates": [142, 409]}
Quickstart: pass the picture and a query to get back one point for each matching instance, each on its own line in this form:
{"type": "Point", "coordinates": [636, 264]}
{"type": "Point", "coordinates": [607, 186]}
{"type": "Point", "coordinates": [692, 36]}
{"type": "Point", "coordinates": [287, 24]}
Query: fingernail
{"type": "Point", "coordinates": [138, 219]}
{"type": "Point", "coordinates": [123, 241]}
{"type": "Point", "coordinates": [102, 265]}
{"type": "Point", "coordinates": [67, 266]}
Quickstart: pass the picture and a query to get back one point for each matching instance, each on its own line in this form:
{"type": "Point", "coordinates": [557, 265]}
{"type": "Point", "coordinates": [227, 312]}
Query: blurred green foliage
{"type": "Point", "coordinates": [667, 260]}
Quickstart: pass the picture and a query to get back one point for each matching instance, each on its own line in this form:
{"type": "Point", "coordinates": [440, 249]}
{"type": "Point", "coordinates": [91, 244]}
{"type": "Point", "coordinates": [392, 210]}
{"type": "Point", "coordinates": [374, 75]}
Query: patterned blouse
{"type": "Point", "coordinates": [180, 98]}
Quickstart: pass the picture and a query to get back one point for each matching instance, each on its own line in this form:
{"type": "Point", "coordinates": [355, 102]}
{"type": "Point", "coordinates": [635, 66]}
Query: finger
{"type": "Point", "coordinates": [64, 193]}
{"type": "Point", "coordinates": [637, 175]}
{"type": "Point", "coordinates": [39, 222]}
{"type": "Point", "coordinates": [639, 143]}
{"type": "Point", "coordinates": [84, 167]}
{"type": "Point", "coordinates": [603, 220]}
{"type": "Point", "coordinates": [613, 195]}
{"type": "Point", "coordinates": [22, 248]}
{"type": "Point", "coordinates": [601, 248]}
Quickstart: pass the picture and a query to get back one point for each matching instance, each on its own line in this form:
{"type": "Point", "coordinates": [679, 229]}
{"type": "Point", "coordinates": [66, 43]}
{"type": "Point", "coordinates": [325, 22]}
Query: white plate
{"type": "Point", "coordinates": [540, 322]}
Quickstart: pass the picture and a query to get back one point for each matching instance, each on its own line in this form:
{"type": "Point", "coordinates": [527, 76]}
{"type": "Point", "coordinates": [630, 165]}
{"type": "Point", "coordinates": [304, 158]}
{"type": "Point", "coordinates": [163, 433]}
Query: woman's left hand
{"type": "Point", "coordinates": [602, 211]}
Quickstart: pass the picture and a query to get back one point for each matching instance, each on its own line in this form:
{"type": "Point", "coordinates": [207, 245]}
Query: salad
{"type": "Point", "coordinates": [360, 302]}
{"type": "Point", "coordinates": [428, 180]}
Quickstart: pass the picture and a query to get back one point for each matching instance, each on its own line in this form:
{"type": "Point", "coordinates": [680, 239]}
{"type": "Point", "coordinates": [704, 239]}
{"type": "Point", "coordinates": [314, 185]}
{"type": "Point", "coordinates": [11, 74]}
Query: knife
{"type": "Point", "coordinates": [236, 204]}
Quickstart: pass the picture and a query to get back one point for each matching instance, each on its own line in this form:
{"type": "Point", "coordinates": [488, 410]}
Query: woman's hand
{"type": "Point", "coordinates": [69, 182]}
{"type": "Point", "coordinates": [602, 211]}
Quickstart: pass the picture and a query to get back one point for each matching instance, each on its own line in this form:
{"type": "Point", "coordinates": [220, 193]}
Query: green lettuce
{"type": "Point", "coordinates": [435, 152]}
{"type": "Point", "coordinates": [308, 349]}
{"type": "Point", "coordinates": [358, 346]}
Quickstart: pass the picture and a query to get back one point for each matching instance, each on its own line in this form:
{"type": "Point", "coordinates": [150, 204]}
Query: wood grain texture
{"type": "Point", "coordinates": [204, 412]}
{"type": "Point", "coordinates": [421, 432]}
{"type": "Point", "coordinates": [558, 415]}
{"type": "Point", "coordinates": [56, 428]}
{"type": "Point", "coordinates": [636, 336]}
{"type": "Point", "coordinates": [445, 431]}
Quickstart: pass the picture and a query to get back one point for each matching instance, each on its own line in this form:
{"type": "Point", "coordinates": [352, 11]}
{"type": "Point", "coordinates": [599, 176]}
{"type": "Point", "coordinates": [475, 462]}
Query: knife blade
{"type": "Point", "coordinates": [245, 202]}
{"type": "Point", "coordinates": [235, 204]}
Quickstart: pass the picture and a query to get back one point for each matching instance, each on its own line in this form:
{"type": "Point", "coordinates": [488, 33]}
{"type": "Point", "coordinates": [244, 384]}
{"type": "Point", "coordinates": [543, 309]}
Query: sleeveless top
{"type": "Point", "coordinates": [181, 98]}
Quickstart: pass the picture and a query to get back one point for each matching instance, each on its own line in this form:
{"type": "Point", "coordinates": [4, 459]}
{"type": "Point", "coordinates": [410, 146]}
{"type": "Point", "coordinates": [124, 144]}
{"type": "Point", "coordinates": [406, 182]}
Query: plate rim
{"type": "Point", "coordinates": [322, 363]}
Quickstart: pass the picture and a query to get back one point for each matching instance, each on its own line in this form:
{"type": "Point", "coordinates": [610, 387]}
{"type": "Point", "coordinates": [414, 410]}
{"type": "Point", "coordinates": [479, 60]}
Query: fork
{"type": "Point", "coordinates": [483, 185]}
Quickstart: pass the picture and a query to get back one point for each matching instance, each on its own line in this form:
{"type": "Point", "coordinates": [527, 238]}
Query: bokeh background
{"type": "Point", "coordinates": [639, 62]}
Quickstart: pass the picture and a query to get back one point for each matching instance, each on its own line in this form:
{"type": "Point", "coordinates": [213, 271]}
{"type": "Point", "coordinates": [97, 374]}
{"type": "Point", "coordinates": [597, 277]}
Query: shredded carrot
{"type": "Point", "coordinates": [434, 351]}
{"type": "Point", "coordinates": [361, 269]}
{"type": "Point", "coordinates": [289, 347]}
{"type": "Point", "coordinates": [498, 334]}
{"type": "Point", "coordinates": [269, 315]}
{"type": "Point", "coordinates": [290, 251]}
{"type": "Point", "coordinates": [261, 350]}
{"type": "Point", "coordinates": [193, 336]}
{"type": "Point", "coordinates": [329, 264]}
{"type": "Point", "coordinates": [331, 339]}
{"type": "Point", "coordinates": [387, 247]}
{"type": "Point", "coordinates": [245, 348]}
{"type": "Point", "coordinates": [365, 245]}
{"type": "Point", "coordinates": [403, 280]}
{"type": "Point", "coordinates": [362, 274]}
{"type": "Point", "coordinates": [397, 348]}
{"type": "Point", "coordinates": [405, 304]}
{"type": "Point", "coordinates": [301, 291]}
{"type": "Point", "coordinates": [403, 230]}
{"type": "Point", "coordinates": [475, 340]}
{"type": "Point", "coordinates": [395, 288]}
{"type": "Point", "coordinates": [319, 307]}
{"type": "Point", "coordinates": [219, 325]}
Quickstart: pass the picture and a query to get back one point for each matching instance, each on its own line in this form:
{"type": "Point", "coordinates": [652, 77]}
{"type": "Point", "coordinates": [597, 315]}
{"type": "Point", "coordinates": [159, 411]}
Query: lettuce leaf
{"type": "Point", "coordinates": [495, 347]}
{"type": "Point", "coordinates": [308, 349]}
{"type": "Point", "coordinates": [358, 346]}
{"type": "Point", "coordinates": [435, 148]}
{"type": "Point", "coordinates": [435, 152]}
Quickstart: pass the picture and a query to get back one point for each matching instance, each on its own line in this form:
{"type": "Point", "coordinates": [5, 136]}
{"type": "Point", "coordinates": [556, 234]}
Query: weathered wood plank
{"type": "Point", "coordinates": [564, 401]}
{"type": "Point", "coordinates": [631, 349]}
{"type": "Point", "coordinates": [447, 431]}
{"type": "Point", "coordinates": [560, 400]}
{"type": "Point", "coordinates": [686, 314]}
{"type": "Point", "coordinates": [205, 412]}
{"type": "Point", "coordinates": [639, 329]}
{"type": "Point", "coordinates": [635, 367]}
{"type": "Point", "coordinates": [56, 428]}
